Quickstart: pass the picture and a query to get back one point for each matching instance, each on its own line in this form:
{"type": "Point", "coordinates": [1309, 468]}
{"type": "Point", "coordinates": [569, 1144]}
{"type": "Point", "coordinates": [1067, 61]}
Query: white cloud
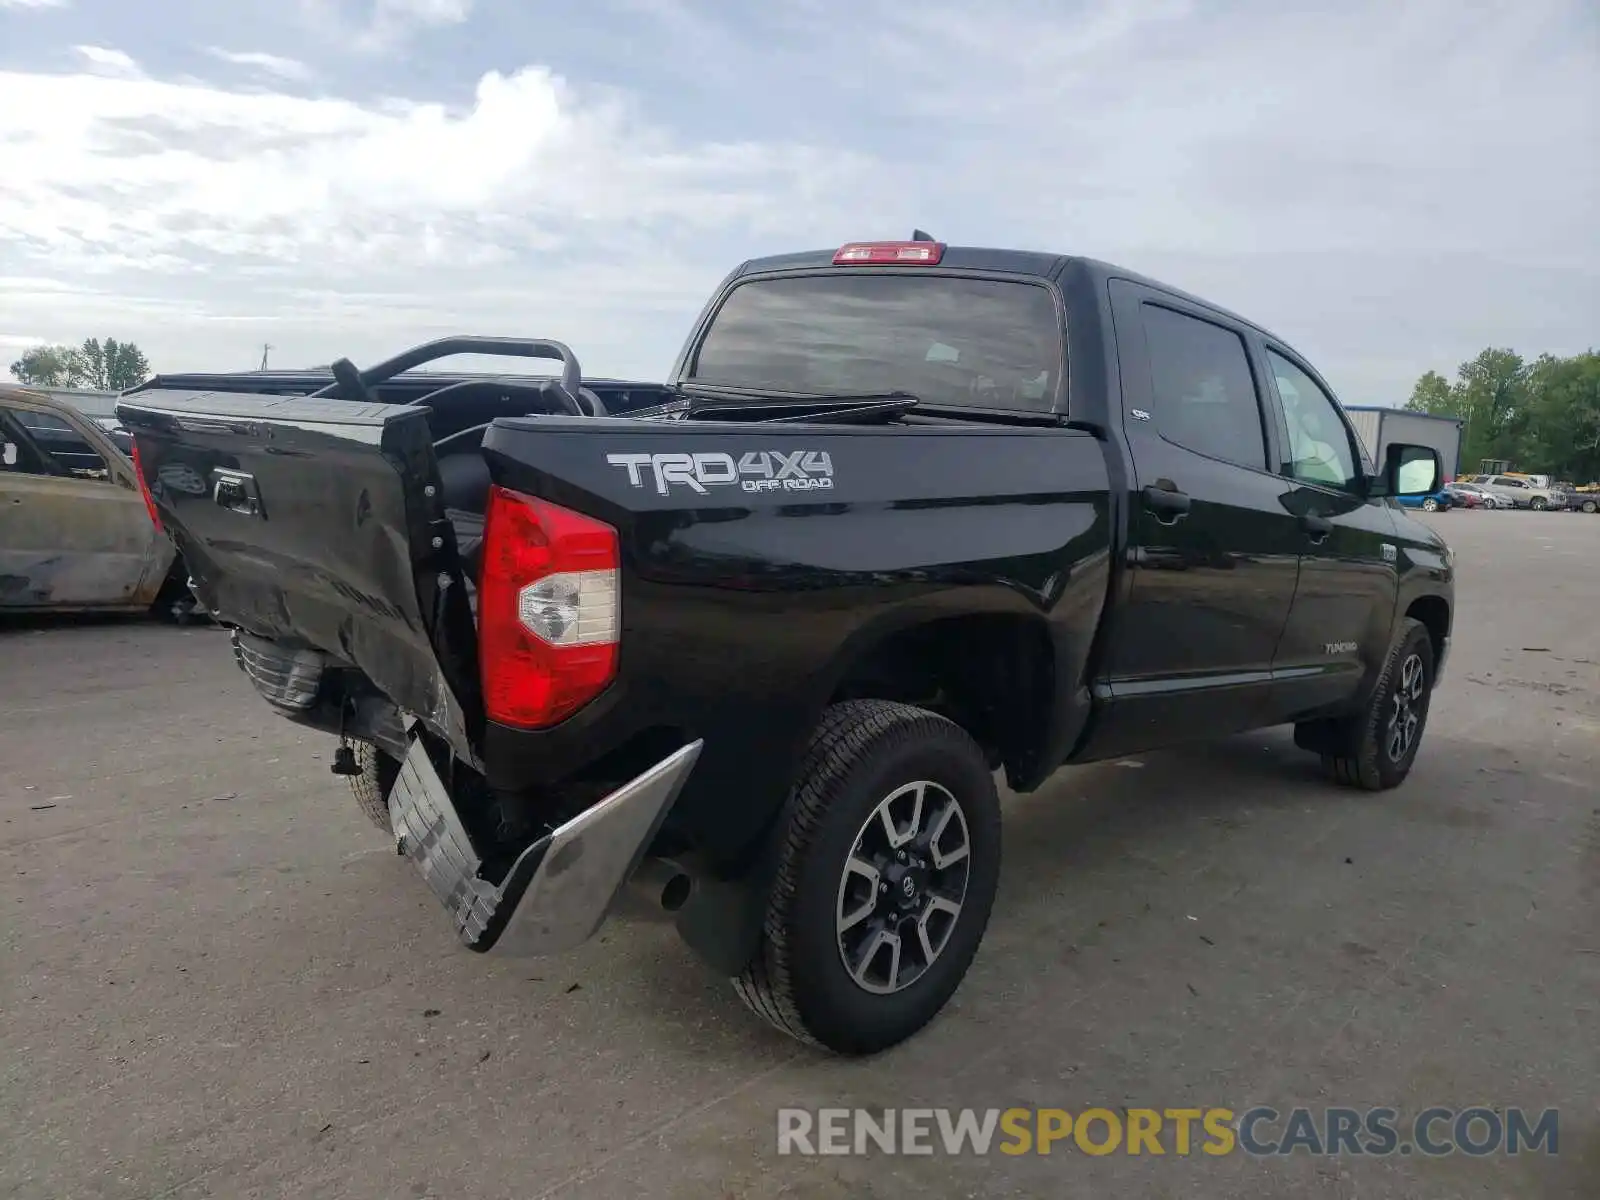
{"type": "Point", "coordinates": [169, 203]}
{"type": "Point", "coordinates": [104, 61]}
{"type": "Point", "coordinates": [35, 3]}
{"type": "Point", "coordinates": [392, 21]}
{"type": "Point", "coordinates": [164, 173]}
{"type": "Point", "coordinates": [382, 25]}
{"type": "Point", "coordinates": [272, 64]}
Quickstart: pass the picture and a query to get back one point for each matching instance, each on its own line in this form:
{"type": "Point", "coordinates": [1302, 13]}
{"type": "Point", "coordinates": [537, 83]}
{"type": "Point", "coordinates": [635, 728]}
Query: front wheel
{"type": "Point", "coordinates": [1539, 504]}
{"type": "Point", "coordinates": [1376, 748]}
{"type": "Point", "coordinates": [886, 875]}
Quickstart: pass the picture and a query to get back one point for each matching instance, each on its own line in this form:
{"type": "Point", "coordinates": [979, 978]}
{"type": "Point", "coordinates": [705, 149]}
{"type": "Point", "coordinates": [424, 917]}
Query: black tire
{"type": "Point", "coordinates": [1590, 506]}
{"type": "Point", "coordinates": [1538, 504]}
{"type": "Point", "coordinates": [1430, 505]}
{"type": "Point", "coordinates": [371, 788]}
{"type": "Point", "coordinates": [862, 753]}
{"type": "Point", "coordinates": [1360, 751]}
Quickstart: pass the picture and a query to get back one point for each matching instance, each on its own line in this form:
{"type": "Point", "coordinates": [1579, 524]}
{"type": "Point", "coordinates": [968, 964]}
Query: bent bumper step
{"type": "Point", "coordinates": [559, 890]}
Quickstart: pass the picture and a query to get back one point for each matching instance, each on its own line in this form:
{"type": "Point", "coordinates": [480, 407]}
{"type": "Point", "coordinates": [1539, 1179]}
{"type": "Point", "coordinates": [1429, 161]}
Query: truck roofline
{"type": "Point", "coordinates": [1038, 264]}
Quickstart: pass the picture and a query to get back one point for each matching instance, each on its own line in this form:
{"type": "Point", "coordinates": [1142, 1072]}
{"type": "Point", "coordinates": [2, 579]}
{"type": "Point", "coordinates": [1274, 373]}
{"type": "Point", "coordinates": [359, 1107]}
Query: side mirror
{"type": "Point", "coordinates": [1408, 470]}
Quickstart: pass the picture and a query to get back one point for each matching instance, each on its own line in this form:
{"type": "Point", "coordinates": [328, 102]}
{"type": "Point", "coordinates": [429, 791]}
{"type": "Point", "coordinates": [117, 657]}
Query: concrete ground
{"type": "Point", "coordinates": [217, 980]}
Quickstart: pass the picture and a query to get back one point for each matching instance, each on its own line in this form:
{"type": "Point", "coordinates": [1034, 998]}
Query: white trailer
{"type": "Point", "coordinates": [1378, 426]}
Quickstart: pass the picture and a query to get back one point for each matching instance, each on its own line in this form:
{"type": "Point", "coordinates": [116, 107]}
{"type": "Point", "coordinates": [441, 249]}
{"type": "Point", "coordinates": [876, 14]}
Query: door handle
{"type": "Point", "coordinates": [1317, 528]}
{"type": "Point", "coordinates": [1168, 503]}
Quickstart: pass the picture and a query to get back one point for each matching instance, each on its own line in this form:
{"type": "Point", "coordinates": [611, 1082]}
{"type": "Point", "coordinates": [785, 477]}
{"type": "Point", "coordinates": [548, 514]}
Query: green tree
{"type": "Point", "coordinates": [1494, 392]}
{"type": "Point", "coordinates": [1544, 416]}
{"type": "Point", "coordinates": [111, 366]}
{"type": "Point", "coordinates": [46, 366]}
{"type": "Point", "coordinates": [1562, 429]}
{"type": "Point", "coordinates": [1433, 394]}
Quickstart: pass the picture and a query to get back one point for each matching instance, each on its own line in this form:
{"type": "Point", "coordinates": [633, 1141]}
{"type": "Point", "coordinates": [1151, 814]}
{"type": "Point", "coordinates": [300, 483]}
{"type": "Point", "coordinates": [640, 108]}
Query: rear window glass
{"type": "Point", "coordinates": [970, 342]}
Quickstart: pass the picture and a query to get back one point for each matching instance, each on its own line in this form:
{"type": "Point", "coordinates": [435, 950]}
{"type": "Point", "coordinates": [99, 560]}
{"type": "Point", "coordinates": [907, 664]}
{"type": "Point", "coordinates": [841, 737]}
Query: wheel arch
{"type": "Point", "coordinates": [1434, 613]}
{"type": "Point", "coordinates": [910, 658]}
{"type": "Point", "coordinates": [994, 673]}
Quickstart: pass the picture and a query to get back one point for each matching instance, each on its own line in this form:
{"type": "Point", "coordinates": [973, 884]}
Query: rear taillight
{"type": "Point", "coordinates": [549, 610]}
{"type": "Point", "coordinates": [144, 489]}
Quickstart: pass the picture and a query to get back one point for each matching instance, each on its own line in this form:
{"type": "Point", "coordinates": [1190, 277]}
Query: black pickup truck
{"type": "Point", "coordinates": [759, 638]}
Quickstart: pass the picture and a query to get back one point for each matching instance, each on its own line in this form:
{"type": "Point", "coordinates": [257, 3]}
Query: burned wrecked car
{"type": "Point", "coordinates": [76, 533]}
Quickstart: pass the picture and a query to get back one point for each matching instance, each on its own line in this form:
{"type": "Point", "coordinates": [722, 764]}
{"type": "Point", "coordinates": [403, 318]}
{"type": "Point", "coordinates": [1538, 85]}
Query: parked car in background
{"type": "Point", "coordinates": [1579, 499]}
{"type": "Point", "coordinates": [1472, 495]}
{"type": "Point", "coordinates": [99, 407]}
{"type": "Point", "coordinates": [76, 532]}
{"type": "Point", "coordinates": [1435, 501]}
{"type": "Point", "coordinates": [1522, 494]}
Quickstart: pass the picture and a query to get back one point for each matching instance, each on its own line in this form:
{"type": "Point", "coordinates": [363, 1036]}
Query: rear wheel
{"type": "Point", "coordinates": [1376, 748]}
{"type": "Point", "coordinates": [371, 788]}
{"type": "Point", "coordinates": [1590, 505]}
{"type": "Point", "coordinates": [885, 879]}
{"type": "Point", "coordinates": [1430, 505]}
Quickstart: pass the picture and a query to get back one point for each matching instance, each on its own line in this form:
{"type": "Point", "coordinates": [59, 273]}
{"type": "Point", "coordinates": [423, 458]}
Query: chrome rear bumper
{"type": "Point", "coordinates": [559, 890]}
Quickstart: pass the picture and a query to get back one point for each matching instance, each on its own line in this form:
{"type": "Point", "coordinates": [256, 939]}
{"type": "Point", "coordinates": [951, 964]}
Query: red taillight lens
{"type": "Point", "coordinates": [925, 254]}
{"type": "Point", "coordinates": [549, 610]}
{"type": "Point", "coordinates": [144, 489]}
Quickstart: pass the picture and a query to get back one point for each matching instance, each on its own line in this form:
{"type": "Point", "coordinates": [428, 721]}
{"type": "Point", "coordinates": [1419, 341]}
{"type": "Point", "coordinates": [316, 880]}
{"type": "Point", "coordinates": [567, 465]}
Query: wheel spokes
{"type": "Point", "coordinates": [897, 834]}
{"type": "Point", "coordinates": [902, 887]}
{"type": "Point", "coordinates": [940, 856]}
{"type": "Point", "coordinates": [861, 877]}
{"type": "Point", "coordinates": [933, 940]}
{"type": "Point", "coordinates": [881, 941]}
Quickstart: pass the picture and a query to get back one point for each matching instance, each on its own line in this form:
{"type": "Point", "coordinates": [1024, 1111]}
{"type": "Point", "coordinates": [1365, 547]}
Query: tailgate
{"type": "Point", "coordinates": [317, 523]}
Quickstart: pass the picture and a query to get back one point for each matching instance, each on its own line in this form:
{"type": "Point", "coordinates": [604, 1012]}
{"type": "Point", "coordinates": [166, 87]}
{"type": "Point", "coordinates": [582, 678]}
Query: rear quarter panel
{"type": "Point", "coordinates": [742, 607]}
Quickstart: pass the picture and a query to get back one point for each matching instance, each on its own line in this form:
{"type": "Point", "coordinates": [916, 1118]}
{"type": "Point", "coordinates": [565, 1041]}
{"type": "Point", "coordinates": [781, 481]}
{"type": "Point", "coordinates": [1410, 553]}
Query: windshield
{"type": "Point", "coordinates": [946, 340]}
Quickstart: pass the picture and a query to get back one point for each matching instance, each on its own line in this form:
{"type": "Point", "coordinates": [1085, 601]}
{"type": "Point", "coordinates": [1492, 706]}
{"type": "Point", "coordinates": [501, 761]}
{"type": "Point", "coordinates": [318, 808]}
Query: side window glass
{"type": "Point", "coordinates": [18, 454]}
{"type": "Point", "coordinates": [1319, 442]}
{"type": "Point", "coordinates": [1205, 397]}
{"type": "Point", "coordinates": [57, 439]}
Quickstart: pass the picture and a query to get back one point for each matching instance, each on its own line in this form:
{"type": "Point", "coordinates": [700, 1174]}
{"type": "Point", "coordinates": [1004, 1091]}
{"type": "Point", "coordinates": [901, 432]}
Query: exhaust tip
{"type": "Point", "coordinates": [663, 886]}
{"type": "Point", "coordinates": [675, 892]}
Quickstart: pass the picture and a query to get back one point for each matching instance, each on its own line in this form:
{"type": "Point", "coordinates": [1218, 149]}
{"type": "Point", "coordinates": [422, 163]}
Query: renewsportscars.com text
{"type": "Point", "coordinates": [1258, 1131]}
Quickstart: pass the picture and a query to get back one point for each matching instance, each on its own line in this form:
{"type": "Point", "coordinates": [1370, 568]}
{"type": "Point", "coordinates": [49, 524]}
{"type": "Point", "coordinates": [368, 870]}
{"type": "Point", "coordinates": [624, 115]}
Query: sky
{"type": "Point", "coordinates": [1390, 187]}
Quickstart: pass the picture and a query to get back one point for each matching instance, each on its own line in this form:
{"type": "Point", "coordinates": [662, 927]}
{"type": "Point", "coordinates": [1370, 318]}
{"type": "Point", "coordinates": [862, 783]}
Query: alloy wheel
{"type": "Point", "coordinates": [903, 887]}
{"type": "Point", "coordinates": [1405, 712]}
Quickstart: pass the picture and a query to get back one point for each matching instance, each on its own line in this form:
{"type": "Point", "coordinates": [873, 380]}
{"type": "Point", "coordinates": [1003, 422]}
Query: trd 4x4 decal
{"type": "Point", "coordinates": [753, 471]}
